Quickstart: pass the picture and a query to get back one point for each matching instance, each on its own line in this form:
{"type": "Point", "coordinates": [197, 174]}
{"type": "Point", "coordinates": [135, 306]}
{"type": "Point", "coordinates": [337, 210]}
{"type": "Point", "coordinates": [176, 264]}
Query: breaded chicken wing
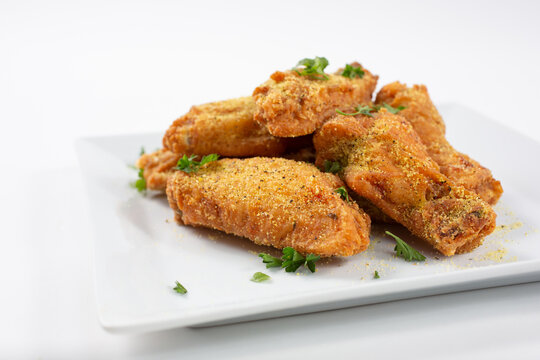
{"type": "Point", "coordinates": [289, 104]}
{"type": "Point", "coordinates": [159, 165]}
{"type": "Point", "coordinates": [429, 125]}
{"type": "Point", "coordinates": [226, 128]}
{"type": "Point", "coordinates": [272, 201]}
{"type": "Point", "coordinates": [384, 161]}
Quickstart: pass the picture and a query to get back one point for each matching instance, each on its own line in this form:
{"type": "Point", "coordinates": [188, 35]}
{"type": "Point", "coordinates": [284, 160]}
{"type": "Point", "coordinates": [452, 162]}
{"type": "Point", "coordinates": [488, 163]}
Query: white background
{"type": "Point", "coordinates": [80, 68]}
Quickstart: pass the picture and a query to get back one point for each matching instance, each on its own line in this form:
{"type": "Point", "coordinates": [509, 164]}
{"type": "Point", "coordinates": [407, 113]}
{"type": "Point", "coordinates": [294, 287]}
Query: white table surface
{"type": "Point", "coordinates": [72, 69]}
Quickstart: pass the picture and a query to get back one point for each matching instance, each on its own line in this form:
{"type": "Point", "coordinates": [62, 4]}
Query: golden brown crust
{"type": "Point", "coordinates": [385, 162]}
{"type": "Point", "coordinates": [158, 166]}
{"type": "Point", "coordinates": [272, 201]}
{"type": "Point", "coordinates": [289, 104]}
{"type": "Point", "coordinates": [226, 128]}
{"type": "Point", "coordinates": [428, 123]}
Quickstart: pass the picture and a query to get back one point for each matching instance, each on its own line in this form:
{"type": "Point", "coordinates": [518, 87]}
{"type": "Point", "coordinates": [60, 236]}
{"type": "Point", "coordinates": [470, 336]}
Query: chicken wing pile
{"type": "Point", "coordinates": [309, 155]}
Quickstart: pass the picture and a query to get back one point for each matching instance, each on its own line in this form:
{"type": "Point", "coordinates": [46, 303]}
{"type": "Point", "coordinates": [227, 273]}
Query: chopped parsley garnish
{"type": "Point", "coordinates": [360, 109]}
{"type": "Point", "coordinates": [270, 261]}
{"type": "Point", "coordinates": [179, 288]}
{"type": "Point", "coordinates": [189, 164]}
{"type": "Point", "coordinates": [332, 166]}
{"type": "Point", "coordinates": [404, 250]}
{"type": "Point", "coordinates": [376, 275]}
{"type": "Point", "coordinates": [343, 193]}
{"type": "Point", "coordinates": [313, 68]}
{"type": "Point", "coordinates": [367, 110]}
{"type": "Point", "coordinates": [351, 72]}
{"type": "Point", "coordinates": [291, 260]}
{"type": "Point", "coordinates": [391, 109]}
{"type": "Point", "coordinates": [310, 261]}
{"type": "Point", "coordinates": [140, 183]}
{"type": "Point", "coordinates": [259, 277]}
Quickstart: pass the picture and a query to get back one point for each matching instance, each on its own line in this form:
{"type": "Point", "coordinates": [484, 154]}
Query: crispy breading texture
{"type": "Point", "coordinates": [289, 104]}
{"type": "Point", "coordinates": [226, 128]}
{"type": "Point", "coordinates": [385, 162]}
{"type": "Point", "coordinates": [272, 201]}
{"type": "Point", "coordinates": [158, 166]}
{"type": "Point", "coordinates": [428, 124]}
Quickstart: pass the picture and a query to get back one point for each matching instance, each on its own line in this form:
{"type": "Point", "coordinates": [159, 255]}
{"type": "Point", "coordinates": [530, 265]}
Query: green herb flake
{"type": "Point", "coordinates": [359, 110]}
{"type": "Point", "coordinates": [332, 166]}
{"type": "Point", "coordinates": [351, 72]}
{"type": "Point", "coordinates": [179, 288]}
{"type": "Point", "coordinates": [391, 109]}
{"type": "Point", "coordinates": [291, 260]}
{"type": "Point", "coordinates": [189, 164]}
{"type": "Point", "coordinates": [270, 261]}
{"type": "Point", "coordinates": [313, 68]}
{"type": "Point", "coordinates": [404, 250]}
{"type": "Point", "coordinates": [259, 277]}
{"type": "Point", "coordinates": [310, 262]}
{"type": "Point", "coordinates": [343, 193]}
{"type": "Point", "coordinates": [140, 183]}
{"type": "Point", "coordinates": [376, 275]}
{"type": "Point", "coordinates": [208, 158]}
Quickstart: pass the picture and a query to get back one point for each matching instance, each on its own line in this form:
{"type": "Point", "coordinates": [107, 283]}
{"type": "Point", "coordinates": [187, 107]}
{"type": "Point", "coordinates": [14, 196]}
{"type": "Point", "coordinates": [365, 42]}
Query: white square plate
{"type": "Point", "coordinates": [140, 251]}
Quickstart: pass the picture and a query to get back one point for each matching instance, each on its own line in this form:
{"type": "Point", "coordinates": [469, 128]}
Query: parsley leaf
{"type": "Point", "coordinates": [259, 276]}
{"type": "Point", "coordinates": [343, 193]}
{"type": "Point", "coordinates": [310, 262]}
{"type": "Point", "coordinates": [404, 250]}
{"type": "Point", "coordinates": [367, 110]}
{"type": "Point", "coordinates": [189, 164]}
{"type": "Point", "coordinates": [351, 72]}
{"type": "Point", "coordinates": [179, 288]}
{"type": "Point", "coordinates": [313, 68]}
{"type": "Point", "coordinates": [291, 260]}
{"type": "Point", "coordinates": [140, 183]}
{"type": "Point", "coordinates": [186, 164]}
{"type": "Point", "coordinates": [270, 261]}
{"type": "Point", "coordinates": [332, 166]}
{"type": "Point", "coordinates": [391, 109]}
{"type": "Point", "coordinates": [376, 275]}
{"type": "Point", "coordinates": [360, 109]}
{"type": "Point", "coordinates": [208, 158]}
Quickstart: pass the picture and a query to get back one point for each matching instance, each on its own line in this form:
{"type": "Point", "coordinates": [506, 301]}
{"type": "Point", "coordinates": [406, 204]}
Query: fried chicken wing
{"type": "Point", "coordinates": [289, 104]}
{"type": "Point", "coordinates": [428, 124]}
{"type": "Point", "coordinates": [159, 165]}
{"type": "Point", "coordinates": [272, 201]}
{"type": "Point", "coordinates": [224, 127]}
{"type": "Point", "coordinates": [384, 161]}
